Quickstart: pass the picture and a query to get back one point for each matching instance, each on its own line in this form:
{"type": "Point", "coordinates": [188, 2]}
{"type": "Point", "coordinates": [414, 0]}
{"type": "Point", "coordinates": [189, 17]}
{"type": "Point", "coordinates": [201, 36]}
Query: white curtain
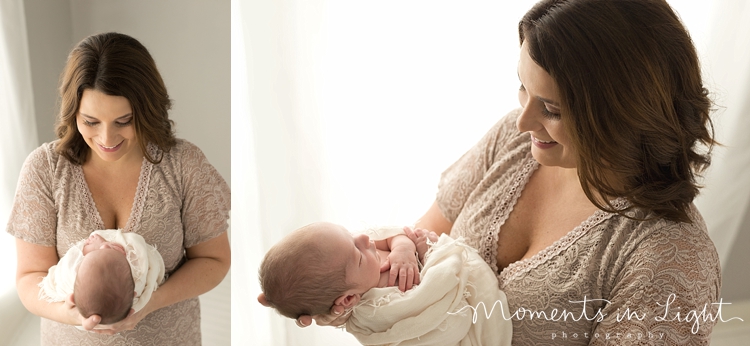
{"type": "Point", "coordinates": [348, 112]}
{"type": "Point", "coordinates": [17, 138]}
{"type": "Point", "coordinates": [725, 202]}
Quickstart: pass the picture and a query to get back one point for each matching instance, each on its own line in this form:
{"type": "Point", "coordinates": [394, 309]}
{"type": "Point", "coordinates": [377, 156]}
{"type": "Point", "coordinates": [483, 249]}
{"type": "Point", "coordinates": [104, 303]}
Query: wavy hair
{"type": "Point", "coordinates": [117, 65]}
{"type": "Point", "coordinates": [632, 99]}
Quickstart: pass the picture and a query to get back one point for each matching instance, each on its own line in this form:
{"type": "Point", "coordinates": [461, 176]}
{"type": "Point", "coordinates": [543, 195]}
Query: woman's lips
{"type": "Point", "coordinates": [543, 144]}
{"type": "Point", "coordinates": [109, 149]}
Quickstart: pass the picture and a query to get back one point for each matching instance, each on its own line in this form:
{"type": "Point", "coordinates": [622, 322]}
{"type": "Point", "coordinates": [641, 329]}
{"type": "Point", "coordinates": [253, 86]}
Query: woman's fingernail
{"type": "Point", "coordinates": [337, 312]}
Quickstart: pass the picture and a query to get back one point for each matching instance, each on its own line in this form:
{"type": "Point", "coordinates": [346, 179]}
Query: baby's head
{"type": "Point", "coordinates": [104, 283]}
{"type": "Point", "coordinates": [316, 267]}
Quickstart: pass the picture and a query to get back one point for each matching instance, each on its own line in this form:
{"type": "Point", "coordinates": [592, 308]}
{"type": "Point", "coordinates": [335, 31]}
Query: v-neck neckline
{"type": "Point", "coordinates": [522, 266]}
{"type": "Point", "coordinates": [136, 210]}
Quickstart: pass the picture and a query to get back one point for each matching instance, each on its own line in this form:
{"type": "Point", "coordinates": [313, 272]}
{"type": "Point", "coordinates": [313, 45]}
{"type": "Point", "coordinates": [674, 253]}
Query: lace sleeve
{"type": "Point", "coordinates": [664, 292]}
{"type": "Point", "coordinates": [34, 215]}
{"type": "Point", "coordinates": [461, 178]}
{"type": "Point", "coordinates": [206, 198]}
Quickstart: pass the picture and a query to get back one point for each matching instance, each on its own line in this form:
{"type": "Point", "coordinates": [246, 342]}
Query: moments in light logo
{"type": "Point", "coordinates": [667, 312]}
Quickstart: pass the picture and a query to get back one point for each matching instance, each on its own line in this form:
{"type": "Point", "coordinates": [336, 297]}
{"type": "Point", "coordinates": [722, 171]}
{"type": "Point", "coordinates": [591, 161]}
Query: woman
{"type": "Point", "coordinates": [117, 165]}
{"type": "Point", "coordinates": [582, 199]}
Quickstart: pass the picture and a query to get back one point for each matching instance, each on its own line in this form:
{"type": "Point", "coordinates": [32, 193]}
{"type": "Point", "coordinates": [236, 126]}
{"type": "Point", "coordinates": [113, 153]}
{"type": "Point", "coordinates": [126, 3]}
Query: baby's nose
{"type": "Point", "coordinates": [364, 239]}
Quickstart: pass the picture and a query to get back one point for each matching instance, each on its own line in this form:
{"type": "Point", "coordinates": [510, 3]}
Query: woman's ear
{"type": "Point", "coordinates": [262, 300]}
{"type": "Point", "coordinates": [347, 300]}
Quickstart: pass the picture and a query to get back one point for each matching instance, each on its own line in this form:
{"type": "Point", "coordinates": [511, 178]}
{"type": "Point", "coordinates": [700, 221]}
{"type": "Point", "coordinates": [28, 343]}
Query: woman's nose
{"type": "Point", "coordinates": [109, 132]}
{"type": "Point", "coordinates": [527, 120]}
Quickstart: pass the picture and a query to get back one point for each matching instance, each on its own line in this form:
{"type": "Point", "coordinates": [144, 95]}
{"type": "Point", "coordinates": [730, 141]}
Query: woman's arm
{"type": "Point", "coordinates": [433, 220]}
{"type": "Point", "coordinates": [34, 262]}
{"type": "Point", "coordinates": [207, 264]}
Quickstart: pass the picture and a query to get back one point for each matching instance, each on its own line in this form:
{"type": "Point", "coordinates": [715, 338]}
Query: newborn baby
{"type": "Point", "coordinates": [322, 265]}
{"type": "Point", "coordinates": [107, 274]}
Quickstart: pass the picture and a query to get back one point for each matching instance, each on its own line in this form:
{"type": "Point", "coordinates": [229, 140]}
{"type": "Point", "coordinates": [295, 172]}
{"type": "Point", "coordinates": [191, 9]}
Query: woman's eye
{"type": "Point", "coordinates": [125, 123]}
{"type": "Point", "coordinates": [88, 123]}
{"type": "Point", "coordinates": [551, 115]}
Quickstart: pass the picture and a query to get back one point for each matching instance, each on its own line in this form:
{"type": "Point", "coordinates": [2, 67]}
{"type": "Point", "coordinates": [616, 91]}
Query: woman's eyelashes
{"type": "Point", "coordinates": [549, 114]}
{"type": "Point", "coordinates": [117, 123]}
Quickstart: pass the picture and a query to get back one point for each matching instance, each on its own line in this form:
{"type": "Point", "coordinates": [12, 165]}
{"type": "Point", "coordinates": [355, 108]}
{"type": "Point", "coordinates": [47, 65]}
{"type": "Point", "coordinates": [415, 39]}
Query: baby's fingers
{"type": "Point", "coordinates": [394, 276]}
{"type": "Point", "coordinates": [406, 279]}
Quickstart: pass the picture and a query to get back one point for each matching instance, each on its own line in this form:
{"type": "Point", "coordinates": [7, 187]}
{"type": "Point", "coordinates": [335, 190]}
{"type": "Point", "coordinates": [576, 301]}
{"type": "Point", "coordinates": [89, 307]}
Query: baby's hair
{"type": "Point", "coordinates": [111, 296]}
{"type": "Point", "coordinates": [291, 281]}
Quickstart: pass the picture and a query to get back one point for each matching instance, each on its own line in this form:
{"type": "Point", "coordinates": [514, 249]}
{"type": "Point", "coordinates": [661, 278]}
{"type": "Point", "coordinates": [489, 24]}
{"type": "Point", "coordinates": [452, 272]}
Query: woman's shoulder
{"type": "Point", "coordinates": [506, 126]}
{"type": "Point", "coordinates": [185, 145]}
{"type": "Point", "coordinates": [505, 133]}
{"type": "Point", "coordinates": [658, 229]}
{"type": "Point", "coordinates": [46, 156]}
{"type": "Point", "coordinates": [183, 149]}
{"type": "Point", "coordinates": [662, 242]}
{"type": "Point", "coordinates": [46, 151]}
{"type": "Point", "coordinates": [176, 157]}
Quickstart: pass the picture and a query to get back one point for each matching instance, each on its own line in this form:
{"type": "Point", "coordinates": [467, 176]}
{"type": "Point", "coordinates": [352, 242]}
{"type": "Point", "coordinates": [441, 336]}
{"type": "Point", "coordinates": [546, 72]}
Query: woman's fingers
{"type": "Point", "coordinates": [91, 322]}
{"type": "Point", "coordinates": [304, 321]}
{"type": "Point", "coordinates": [409, 232]}
{"type": "Point", "coordinates": [432, 236]}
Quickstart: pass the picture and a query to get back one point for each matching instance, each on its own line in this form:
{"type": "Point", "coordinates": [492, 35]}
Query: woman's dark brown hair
{"type": "Point", "coordinates": [116, 65]}
{"type": "Point", "coordinates": [632, 99]}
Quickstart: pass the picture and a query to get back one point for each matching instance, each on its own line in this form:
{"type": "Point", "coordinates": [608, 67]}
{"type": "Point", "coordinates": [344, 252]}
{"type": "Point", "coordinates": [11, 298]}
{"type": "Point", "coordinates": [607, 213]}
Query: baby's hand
{"type": "Point", "coordinates": [403, 264]}
{"type": "Point", "coordinates": [419, 237]}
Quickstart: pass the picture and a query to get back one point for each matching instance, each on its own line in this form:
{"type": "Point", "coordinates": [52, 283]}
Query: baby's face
{"type": "Point", "coordinates": [97, 242]}
{"type": "Point", "coordinates": [359, 254]}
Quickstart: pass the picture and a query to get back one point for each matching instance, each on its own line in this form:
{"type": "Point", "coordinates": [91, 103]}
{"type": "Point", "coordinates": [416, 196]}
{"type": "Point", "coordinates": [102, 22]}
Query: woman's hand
{"type": "Point", "coordinates": [73, 314]}
{"type": "Point", "coordinates": [420, 237]}
{"type": "Point", "coordinates": [337, 317]}
{"type": "Point", "coordinates": [127, 324]}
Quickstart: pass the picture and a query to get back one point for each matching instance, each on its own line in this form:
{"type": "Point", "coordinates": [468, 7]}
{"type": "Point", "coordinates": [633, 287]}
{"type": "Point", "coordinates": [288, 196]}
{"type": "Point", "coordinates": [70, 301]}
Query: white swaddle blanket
{"type": "Point", "coordinates": [440, 310]}
{"type": "Point", "coordinates": [146, 264]}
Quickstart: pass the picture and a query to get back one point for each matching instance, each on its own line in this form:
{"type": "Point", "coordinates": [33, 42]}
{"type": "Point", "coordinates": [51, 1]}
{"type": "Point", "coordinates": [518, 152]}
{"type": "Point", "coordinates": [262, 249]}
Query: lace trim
{"type": "Point", "coordinates": [141, 192]}
{"type": "Point", "coordinates": [518, 268]}
{"type": "Point", "coordinates": [89, 204]}
{"type": "Point", "coordinates": [488, 243]}
{"type": "Point", "coordinates": [138, 200]}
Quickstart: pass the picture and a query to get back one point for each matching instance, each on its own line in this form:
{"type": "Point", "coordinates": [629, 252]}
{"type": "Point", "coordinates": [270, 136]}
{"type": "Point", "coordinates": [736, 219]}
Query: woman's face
{"type": "Point", "coordinates": [541, 114]}
{"type": "Point", "coordinates": [106, 124]}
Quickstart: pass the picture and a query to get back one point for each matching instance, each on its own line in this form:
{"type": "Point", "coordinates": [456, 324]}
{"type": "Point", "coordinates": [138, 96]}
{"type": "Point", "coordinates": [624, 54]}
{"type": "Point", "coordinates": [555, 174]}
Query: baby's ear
{"type": "Point", "coordinates": [71, 299]}
{"type": "Point", "coordinates": [263, 301]}
{"type": "Point", "coordinates": [347, 300]}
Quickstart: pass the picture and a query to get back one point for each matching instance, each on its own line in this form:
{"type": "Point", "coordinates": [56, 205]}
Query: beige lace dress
{"type": "Point", "coordinates": [179, 203]}
{"type": "Point", "coordinates": [637, 282]}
